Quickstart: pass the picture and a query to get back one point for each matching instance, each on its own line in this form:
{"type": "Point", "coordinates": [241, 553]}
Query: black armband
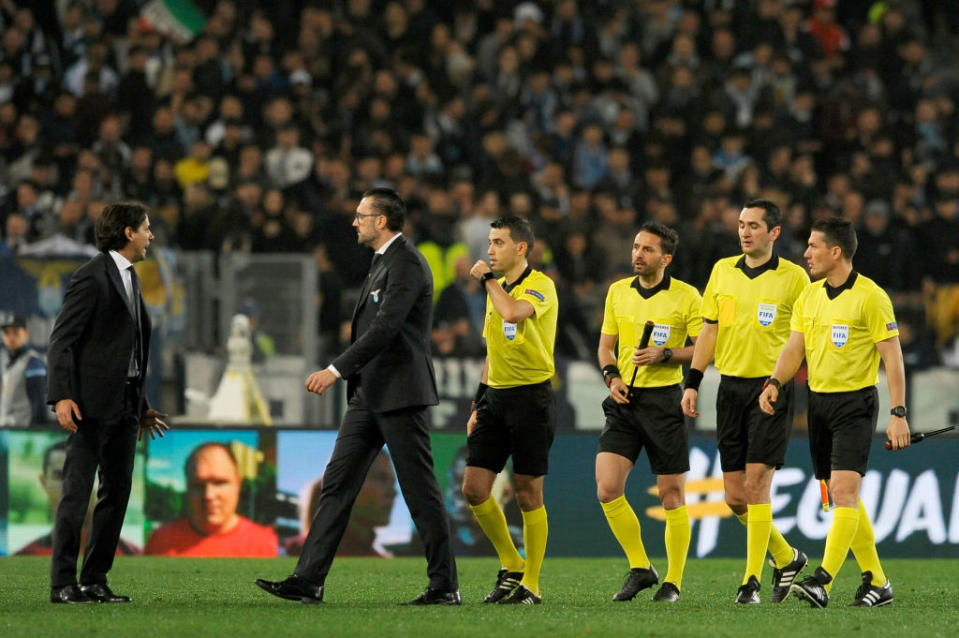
{"type": "Point", "coordinates": [610, 372]}
{"type": "Point", "coordinates": [693, 378]}
{"type": "Point", "coordinates": [480, 391]}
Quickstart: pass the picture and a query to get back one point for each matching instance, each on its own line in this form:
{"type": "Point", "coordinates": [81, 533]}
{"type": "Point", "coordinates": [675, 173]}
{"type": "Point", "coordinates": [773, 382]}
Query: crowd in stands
{"type": "Point", "coordinates": [588, 118]}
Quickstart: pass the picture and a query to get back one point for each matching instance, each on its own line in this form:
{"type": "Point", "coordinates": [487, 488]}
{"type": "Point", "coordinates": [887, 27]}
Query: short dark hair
{"type": "Point", "coordinates": [771, 213]}
{"type": "Point", "coordinates": [669, 238]}
{"type": "Point", "coordinates": [190, 466]}
{"type": "Point", "coordinates": [387, 202]}
{"type": "Point", "coordinates": [519, 230]}
{"type": "Point", "coordinates": [113, 222]}
{"type": "Point", "coordinates": [839, 232]}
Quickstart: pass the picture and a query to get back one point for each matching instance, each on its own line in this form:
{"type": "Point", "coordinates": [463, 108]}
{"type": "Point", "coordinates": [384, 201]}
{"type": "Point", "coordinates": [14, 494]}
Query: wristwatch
{"type": "Point", "coordinates": [667, 354]}
{"type": "Point", "coordinates": [899, 411]}
{"type": "Point", "coordinates": [486, 277]}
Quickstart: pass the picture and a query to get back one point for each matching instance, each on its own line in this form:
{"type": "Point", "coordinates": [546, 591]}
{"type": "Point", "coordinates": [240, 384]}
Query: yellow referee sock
{"type": "Point", "coordinates": [779, 547]}
{"type": "Point", "coordinates": [535, 531]}
{"type": "Point", "coordinates": [493, 523]}
{"type": "Point", "coordinates": [845, 520]}
{"type": "Point", "coordinates": [864, 548]}
{"type": "Point", "coordinates": [677, 544]}
{"type": "Point", "coordinates": [625, 526]}
{"type": "Point", "coordinates": [757, 539]}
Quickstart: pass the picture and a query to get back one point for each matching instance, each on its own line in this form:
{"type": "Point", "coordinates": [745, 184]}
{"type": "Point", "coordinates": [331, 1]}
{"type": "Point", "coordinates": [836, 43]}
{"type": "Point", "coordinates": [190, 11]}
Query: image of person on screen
{"type": "Point", "coordinates": [372, 509]}
{"type": "Point", "coordinates": [468, 536]}
{"type": "Point", "coordinates": [51, 480]}
{"type": "Point", "coordinates": [212, 526]}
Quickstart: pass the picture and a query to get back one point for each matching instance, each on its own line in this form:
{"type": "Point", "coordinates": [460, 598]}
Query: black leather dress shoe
{"type": "Point", "coordinates": [69, 595]}
{"type": "Point", "coordinates": [436, 597]}
{"type": "Point", "coordinates": [293, 588]}
{"type": "Point", "coordinates": [103, 594]}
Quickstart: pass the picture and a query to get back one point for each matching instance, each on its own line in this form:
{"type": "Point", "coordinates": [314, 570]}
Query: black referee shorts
{"type": "Point", "coordinates": [841, 426]}
{"type": "Point", "coordinates": [654, 420]}
{"type": "Point", "coordinates": [518, 422]}
{"type": "Point", "coordinates": [746, 434]}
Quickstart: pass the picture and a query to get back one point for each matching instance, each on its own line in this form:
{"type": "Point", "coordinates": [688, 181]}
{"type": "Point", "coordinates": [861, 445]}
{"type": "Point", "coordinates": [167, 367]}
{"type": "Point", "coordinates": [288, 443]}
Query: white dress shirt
{"type": "Point", "coordinates": [123, 264]}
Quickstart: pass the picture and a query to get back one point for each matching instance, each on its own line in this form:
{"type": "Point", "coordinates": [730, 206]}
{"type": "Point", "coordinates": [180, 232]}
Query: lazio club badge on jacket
{"type": "Point", "coordinates": [376, 295]}
{"type": "Point", "coordinates": [766, 314]}
{"type": "Point", "coordinates": [509, 330]}
{"type": "Point", "coordinates": [840, 334]}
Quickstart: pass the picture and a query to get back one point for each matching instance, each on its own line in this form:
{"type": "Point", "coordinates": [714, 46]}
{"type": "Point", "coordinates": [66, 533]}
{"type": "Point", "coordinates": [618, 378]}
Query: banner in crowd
{"type": "Point", "coordinates": [180, 20]}
{"type": "Point", "coordinates": [33, 287]}
{"type": "Point", "coordinates": [249, 492]}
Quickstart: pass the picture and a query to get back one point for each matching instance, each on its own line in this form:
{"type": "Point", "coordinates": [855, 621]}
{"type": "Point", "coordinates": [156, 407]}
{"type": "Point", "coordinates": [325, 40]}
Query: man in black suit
{"type": "Point", "coordinates": [390, 383]}
{"type": "Point", "coordinates": [96, 364]}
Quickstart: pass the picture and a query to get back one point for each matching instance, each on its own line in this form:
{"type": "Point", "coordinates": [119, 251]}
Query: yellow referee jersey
{"type": "Point", "coordinates": [522, 353]}
{"type": "Point", "coordinates": [673, 305]}
{"type": "Point", "coordinates": [753, 307]}
{"type": "Point", "coordinates": [841, 327]}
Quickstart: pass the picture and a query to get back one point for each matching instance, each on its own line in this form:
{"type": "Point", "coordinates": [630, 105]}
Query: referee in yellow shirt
{"type": "Point", "coordinates": [513, 414]}
{"type": "Point", "coordinates": [647, 415]}
{"type": "Point", "coordinates": [843, 324]}
{"type": "Point", "coordinates": [747, 306]}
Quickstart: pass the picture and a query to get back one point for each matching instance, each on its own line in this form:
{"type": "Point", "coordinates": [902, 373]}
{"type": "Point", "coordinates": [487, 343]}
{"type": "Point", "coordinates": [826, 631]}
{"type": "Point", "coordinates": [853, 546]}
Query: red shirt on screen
{"type": "Point", "coordinates": [247, 539]}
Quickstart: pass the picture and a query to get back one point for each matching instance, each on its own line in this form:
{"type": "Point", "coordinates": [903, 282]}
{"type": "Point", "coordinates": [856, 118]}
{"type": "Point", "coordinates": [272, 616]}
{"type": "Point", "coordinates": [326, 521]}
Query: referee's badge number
{"type": "Point", "coordinates": [766, 314]}
{"type": "Point", "coordinates": [509, 330]}
{"type": "Point", "coordinates": [840, 334]}
{"type": "Point", "coordinates": [661, 334]}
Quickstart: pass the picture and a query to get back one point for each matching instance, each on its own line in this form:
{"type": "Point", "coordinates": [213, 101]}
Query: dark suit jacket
{"type": "Point", "coordinates": [92, 339]}
{"type": "Point", "coordinates": [389, 356]}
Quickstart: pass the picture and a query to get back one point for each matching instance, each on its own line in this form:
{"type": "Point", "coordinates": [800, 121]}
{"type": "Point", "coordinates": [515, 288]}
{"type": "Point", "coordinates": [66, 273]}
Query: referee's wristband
{"type": "Point", "coordinates": [693, 378]}
{"type": "Point", "coordinates": [610, 372]}
{"type": "Point", "coordinates": [487, 276]}
{"type": "Point", "coordinates": [480, 391]}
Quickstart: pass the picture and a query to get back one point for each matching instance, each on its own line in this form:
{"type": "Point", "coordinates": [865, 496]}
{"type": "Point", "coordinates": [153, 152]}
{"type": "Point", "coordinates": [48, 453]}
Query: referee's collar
{"type": "Point", "coordinates": [646, 293]}
{"type": "Point", "coordinates": [832, 293]}
{"type": "Point", "coordinates": [771, 264]}
{"type": "Point", "coordinates": [509, 286]}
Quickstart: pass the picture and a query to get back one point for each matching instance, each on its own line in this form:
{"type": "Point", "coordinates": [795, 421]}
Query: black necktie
{"type": "Point", "coordinates": [135, 300]}
{"type": "Point", "coordinates": [135, 290]}
{"type": "Point", "coordinates": [376, 259]}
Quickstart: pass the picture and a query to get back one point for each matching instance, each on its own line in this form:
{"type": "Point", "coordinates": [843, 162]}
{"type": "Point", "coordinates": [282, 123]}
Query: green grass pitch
{"type": "Point", "coordinates": [217, 597]}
